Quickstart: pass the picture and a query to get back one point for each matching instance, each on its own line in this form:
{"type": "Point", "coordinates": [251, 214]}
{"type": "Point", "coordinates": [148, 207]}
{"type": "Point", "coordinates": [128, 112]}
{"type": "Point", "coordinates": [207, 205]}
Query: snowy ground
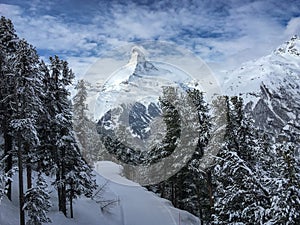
{"type": "Point", "coordinates": [134, 205]}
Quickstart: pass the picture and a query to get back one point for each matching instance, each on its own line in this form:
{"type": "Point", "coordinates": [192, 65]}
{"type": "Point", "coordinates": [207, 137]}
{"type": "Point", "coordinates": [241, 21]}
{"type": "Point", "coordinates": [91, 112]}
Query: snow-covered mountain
{"type": "Point", "coordinates": [270, 86]}
{"type": "Point", "coordinates": [140, 80]}
{"type": "Point", "coordinates": [128, 104]}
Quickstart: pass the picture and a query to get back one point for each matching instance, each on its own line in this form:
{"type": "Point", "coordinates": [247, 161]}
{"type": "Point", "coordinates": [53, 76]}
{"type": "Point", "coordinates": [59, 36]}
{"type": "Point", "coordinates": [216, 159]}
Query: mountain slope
{"type": "Point", "coordinates": [270, 86]}
{"type": "Point", "coordinates": [141, 81]}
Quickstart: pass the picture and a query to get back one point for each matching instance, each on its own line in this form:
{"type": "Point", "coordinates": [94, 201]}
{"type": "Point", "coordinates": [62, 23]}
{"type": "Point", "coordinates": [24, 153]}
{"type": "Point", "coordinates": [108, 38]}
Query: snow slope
{"type": "Point", "coordinates": [139, 206]}
{"type": "Point", "coordinates": [134, 205]}
{"type": "Point", "coordinates": [270, 87]}
{"type": "Point", "coordinates": [279, 69]}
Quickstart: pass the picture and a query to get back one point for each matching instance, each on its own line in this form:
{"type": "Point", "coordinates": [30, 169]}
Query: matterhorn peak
{"type": "Point", "coordinates": [137, 55]}
{"type": "Point", "coordinates": [139, 61]}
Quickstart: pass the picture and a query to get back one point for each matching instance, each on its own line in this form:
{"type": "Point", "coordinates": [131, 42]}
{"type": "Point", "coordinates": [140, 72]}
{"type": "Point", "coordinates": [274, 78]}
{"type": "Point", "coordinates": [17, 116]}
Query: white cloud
{"type": "Point", "coordinates": [246, 31]}
{"type": "Point", "coordinates": [49, 32]}
{"type": "Point", "coordinates": [293, 27]}
{"type": "Point", "coordinates": [81, 64]}
{"type": "Point", "coordinates": [10, 10]}
{"type": "Point", "coordinates": [224, 32]}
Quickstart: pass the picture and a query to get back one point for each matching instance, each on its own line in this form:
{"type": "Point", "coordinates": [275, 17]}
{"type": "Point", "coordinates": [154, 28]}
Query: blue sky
{"type": "Point", "coordinates": [223, 33]}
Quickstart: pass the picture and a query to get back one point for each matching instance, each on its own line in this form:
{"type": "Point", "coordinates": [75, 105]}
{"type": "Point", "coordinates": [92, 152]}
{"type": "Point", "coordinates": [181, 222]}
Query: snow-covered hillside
{"type": "Point", "coordinates": [134, 205]}
{"type": "Point", "coordinates": [281, 67]}
{"type": "Point", "coordinates": [139, 206]}
{"type": "Point", "coordinates": [270, 86]}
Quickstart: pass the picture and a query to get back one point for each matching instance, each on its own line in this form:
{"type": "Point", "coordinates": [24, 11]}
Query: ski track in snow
{"type": "Point", "coordinates": [136, 205]}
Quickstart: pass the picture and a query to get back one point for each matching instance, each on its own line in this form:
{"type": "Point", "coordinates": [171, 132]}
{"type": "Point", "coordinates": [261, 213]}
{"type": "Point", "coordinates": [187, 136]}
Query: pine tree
{"type": "Point", "coordinates": [193, 190]}
{"type": "Point", "coordinates": [188, 189]}
{"type": "Point", "coordinates": [61, 121]}
{"type": "Point", "coordinates": [25, 105]}
{"type": "Point", "coordinates": [171, 117]}
{"type": "Point", "coordinates": [37, 128]}
{"type": "Point", "coordinates": [94, 144]}
{"type": "Point", "coordinates": [239, 196]}
{"type": "Point", "coordinates": [46, 123]}
{"type": "Point", "coordinates": [37, 202]}
{"type": "Point", "coordinates": [81, 121]}
{"type": "Point", "coordinates": [69, 165]}
{"type": "Point", "coordinates": [8, 46]}
{"type": "Point", "coordinates": [284, 181]}
{"type": "Point", "coordinates": [4, 177]}
{"type": "Point", "coordinates": [79, 178]}
{"type": "Point", "coordinates": [197, 184]}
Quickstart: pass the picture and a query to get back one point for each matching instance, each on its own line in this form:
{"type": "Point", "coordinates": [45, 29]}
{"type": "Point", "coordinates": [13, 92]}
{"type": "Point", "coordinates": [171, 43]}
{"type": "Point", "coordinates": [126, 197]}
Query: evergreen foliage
{"type": "Point", "coordinates": [37, 202]}
{"type": "Point", "coordinates": [255, 178]}
{"type": "Point", "coordinates": [37, 128]}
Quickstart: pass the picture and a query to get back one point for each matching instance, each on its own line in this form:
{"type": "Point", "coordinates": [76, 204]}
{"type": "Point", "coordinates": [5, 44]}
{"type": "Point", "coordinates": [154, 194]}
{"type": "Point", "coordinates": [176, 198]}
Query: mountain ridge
{"type": "Point", "coordinates": [270, 86]}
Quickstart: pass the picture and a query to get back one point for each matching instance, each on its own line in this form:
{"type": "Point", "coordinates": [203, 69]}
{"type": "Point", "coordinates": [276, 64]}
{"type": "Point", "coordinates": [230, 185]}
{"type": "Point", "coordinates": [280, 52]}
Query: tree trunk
{"type": "Point", "coordinates": [180, 193]}
{"type": "Point", "coordinates": [63, 190]}
{"type": "Point", "coordinates": [210, 191]}
{"type": "Point", "coordinates": [28, 169]}
{"type": "Point", "coordinates": [71, 202]}
{"type": "Point", "coordinates": [162, 189]}
{"type": "Point", "coordinates": [8, 161]}
{"type": "Point", "coordinates": [58, 181]}
{"type": "Point", "coordinates": [21, 189]}
{"type": "Point", "coordinates": [172, 193]}
{"type": "Point", "coordinates": [29, 176]}
{"type": "Point", "coordinates": [64, 200]}
{"type": "Point", "coordinates": [199, 204]}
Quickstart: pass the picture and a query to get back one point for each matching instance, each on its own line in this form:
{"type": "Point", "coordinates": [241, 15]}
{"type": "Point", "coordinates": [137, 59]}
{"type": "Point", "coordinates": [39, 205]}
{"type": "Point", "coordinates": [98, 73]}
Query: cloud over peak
{"type": "Point", "coordinates": [217, 31]}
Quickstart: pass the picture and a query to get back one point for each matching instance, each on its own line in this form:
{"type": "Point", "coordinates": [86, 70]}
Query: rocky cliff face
{"type": "Point", "coordinates": [270, 87]}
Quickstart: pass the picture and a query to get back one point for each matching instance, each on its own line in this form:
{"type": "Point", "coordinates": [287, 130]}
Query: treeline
{"type": "Point", "coordinates": [37, 130]}
{"type": "Point", "coordinates": [254, 178]}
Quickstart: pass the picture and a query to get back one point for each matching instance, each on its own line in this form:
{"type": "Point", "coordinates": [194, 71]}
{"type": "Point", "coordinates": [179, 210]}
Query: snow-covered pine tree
{"type": "Point", "coordinates": [61, 122]}
{"type": "Point", "coordinates": [84, 127]}
{"type": "Point", "coordinates": [4, 177]}
{"type": "Point", "coordinates": [204, 122]}
{"type": "Point", "coordinates": [94, 144]}
{"type": "Point", "coordinates": [70, 168]}
{"type": "Point", "coordinates": [8, 46]}
{"type": "Point", "coordinates": [169, 102]}
{"type": "Point", "coordinates": [79, 178]}
{"type": "Point", "coordinates": [37, 202]}
{"type": "Point", "coordinates": [171, 117]}
{"type": "Point", "coordinates": [192, 183]}
{"type": "Point", "coordinates": [284, 179]}
{"type": "Point", "coordinates": [239, 194]}
{"type": "Point", "coordinates": [57, 112]}
{"type": "Point", "coordinates": [47, 131]}
{"type": "Point", "coordinates": [81, 121]}
{"type": "Point", "coordinates": [26, 105]}
{"type": "Point", "coordinates": [188, 189]}
{"type": "Point", "coordinates": [246, 135]}
{"type": "Point", "coordinates": [197, 182]}
{"type": "Point", "coordinates": [172, 120]}
{"type": "Point", "coordinates": [36, 119]}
